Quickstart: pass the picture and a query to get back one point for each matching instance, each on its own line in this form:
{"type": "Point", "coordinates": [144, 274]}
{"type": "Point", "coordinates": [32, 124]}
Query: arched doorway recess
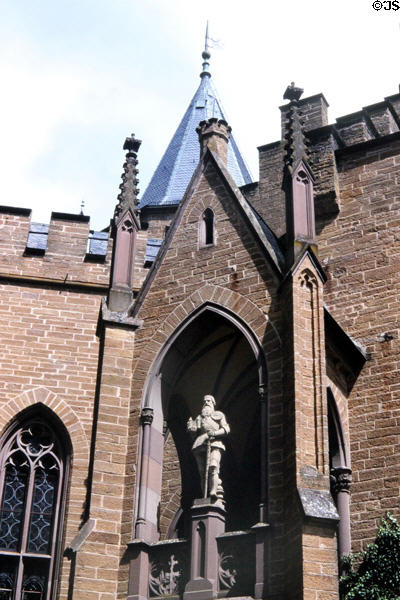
{"type": "Point", "coordinates": [213, 352]}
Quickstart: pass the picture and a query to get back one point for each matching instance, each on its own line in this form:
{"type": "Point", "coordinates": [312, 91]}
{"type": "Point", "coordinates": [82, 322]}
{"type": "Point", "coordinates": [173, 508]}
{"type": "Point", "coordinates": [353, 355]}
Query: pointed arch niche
{"type": "Point", "coordinates": [213, 352]}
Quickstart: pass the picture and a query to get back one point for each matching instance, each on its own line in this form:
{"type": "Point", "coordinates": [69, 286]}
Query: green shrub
{"type": "Point", "coordinates": [378, 574]}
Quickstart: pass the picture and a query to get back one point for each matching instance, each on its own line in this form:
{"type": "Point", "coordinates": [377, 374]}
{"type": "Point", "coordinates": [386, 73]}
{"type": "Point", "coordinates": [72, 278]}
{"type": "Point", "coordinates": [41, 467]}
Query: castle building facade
{"type": "Point", "coordinates": [202, 400]}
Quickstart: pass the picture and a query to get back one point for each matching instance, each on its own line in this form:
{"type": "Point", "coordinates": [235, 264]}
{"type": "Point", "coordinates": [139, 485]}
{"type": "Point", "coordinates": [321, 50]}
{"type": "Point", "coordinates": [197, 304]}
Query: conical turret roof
{"type": "Point", "coordinates": [172, 176]}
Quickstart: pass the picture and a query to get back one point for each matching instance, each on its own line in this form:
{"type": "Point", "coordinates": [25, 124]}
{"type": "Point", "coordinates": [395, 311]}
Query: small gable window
{"type": "Point", "coordinates": [32, 478]}
{"type": "Point", "coordinates": [207, 228]}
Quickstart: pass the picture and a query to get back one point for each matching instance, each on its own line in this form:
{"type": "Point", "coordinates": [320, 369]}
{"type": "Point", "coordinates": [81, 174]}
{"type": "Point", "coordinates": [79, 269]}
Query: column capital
{"type": "Point", "coordinates": [146, 416]}
{"type": "Point", "coordinates": [341, 479]}
{"type": "Point", "coordinates": [262, 392]}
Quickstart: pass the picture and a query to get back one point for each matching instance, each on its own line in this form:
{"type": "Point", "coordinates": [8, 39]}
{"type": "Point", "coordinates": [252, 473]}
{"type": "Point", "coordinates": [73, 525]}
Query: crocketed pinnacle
{"type": "Point", "coordinates": [127, 197]}
{"type": "Point", "coordinates": [296, 142]}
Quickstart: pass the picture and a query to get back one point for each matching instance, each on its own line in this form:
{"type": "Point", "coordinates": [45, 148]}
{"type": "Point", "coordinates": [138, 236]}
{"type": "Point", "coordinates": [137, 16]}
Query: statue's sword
{"type": "Point", "coordinates": [208, 458]}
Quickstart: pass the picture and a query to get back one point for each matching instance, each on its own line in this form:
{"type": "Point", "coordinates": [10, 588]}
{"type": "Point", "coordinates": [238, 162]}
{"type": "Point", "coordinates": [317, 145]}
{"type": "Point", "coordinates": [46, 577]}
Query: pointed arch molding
{"type": "Point", "coordinates": [254, 319]}
{"type": "Point", "coordinates": [59, 407]}
{"type": "Point", "coordinates": [262, 337]}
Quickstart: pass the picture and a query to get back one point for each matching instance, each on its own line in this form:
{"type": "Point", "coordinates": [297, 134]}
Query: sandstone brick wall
{"type": "Point", "coordinates": [171, 487]}
{"type": "Point", "coordinates": [310, 547]}
{"type": "Point", "coordinates": [157, 220]}
{"type": "Point", "coordinates": [102, 571]}
{"type": "Point", "coordinates": [234, 274]}
{"type": "Point", "coordinates": [357, 202]}
{"type": "Point", "coordinates": [140, 272]}
{"type": "Point", "coordinates": [50, 352]}
{"type": "Point", "coordinates": [53, 352]}
{"type": "Point", "coordinates": [313, 111]}
{"type": "Point", "coordinates": [360, 250]}
{"type": "Point", "coordinates": [64, 259]}
{"type": "Point", "coordinates": [48, 342]}
{"type": "Point", "coordinates": [271, 200]}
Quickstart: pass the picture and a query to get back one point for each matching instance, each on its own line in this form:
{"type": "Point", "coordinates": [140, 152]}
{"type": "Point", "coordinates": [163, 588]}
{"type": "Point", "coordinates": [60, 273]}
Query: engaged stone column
{"type": "Point", "coordinates": [341, 486]}
{"type": "Point", "coordinates": [263, 507]}
{"type": "Point", "coordinates": [146, 419]}
{"type": "Point", "coordinates": [139, 566]}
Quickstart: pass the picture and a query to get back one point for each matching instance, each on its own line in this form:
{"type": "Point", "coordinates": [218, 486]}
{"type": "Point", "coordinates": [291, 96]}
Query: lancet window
{"type": "Point", "coordinates": [32, 475]}
{"type": "Point", "coordinates": [207, 228]}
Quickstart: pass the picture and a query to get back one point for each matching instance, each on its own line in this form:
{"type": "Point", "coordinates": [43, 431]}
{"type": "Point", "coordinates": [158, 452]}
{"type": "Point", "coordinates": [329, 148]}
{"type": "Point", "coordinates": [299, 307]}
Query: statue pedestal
{"type": "Point", "coordinates": [208, 522]}
{"type": "Point", "coordinates": [261, 559]}
{"type": "Point", "coordinates": [138, 570]}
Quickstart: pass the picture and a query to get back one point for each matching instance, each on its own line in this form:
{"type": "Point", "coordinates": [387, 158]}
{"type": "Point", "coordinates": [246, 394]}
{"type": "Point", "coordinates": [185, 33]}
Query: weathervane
{"type": "Point", "coordinates": [208, 43]}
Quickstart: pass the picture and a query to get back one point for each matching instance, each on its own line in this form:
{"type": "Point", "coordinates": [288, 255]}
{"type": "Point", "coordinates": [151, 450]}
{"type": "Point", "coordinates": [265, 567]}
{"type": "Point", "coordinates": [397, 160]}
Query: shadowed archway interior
{"type": "Point", "coordinates": [212, 356]}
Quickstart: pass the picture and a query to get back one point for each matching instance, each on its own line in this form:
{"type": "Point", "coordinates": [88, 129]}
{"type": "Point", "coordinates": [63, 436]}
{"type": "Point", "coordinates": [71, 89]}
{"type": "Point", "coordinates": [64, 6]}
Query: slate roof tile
{"type": "Point", "coordinates": [172, 176]}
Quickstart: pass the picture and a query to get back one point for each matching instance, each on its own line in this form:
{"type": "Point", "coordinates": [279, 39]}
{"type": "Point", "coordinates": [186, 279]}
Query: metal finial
{"type": "Point", "coordinates": [206, 48]}
{"type": "Point", "coordinates": [206, 56]}
{"type": "Point", "coordinates": [82, 206]}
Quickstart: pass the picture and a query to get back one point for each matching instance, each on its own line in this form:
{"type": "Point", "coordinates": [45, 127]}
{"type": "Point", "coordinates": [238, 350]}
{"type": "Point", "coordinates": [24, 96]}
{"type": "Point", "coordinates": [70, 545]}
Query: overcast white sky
{"type": "Point", "coordinates": [78, 76]}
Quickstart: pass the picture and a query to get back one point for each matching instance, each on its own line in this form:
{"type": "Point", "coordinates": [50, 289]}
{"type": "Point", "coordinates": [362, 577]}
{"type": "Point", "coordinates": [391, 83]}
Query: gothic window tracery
{"type": "Point", "coordinates": [32, 473]}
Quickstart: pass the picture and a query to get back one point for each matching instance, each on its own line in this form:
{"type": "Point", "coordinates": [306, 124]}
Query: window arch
{"type": "Point", "coordinates": [207, 228]}
{"type": "Point", "coordinates": [33, 473]}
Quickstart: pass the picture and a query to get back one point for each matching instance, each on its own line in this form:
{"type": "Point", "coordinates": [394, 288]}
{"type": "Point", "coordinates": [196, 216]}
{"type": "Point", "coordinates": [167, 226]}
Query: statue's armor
{"type": "Point", "coordinates": [212, 422]}
{"type": "Point", "coordinates": [208, 427]}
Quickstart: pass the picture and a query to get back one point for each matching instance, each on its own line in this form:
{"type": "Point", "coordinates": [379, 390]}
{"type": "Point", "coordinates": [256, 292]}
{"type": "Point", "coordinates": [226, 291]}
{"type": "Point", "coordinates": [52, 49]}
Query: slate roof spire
{"type": "Point", "coordinates": [172, 176]}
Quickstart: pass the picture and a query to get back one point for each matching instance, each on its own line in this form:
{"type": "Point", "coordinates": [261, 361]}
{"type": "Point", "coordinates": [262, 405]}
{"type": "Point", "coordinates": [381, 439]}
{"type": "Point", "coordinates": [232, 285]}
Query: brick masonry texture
{"type": "Point", "coordinates": [64, 259]}
{"type": "Point", "coordinates": [190, 276]}
{"type": "Point", "coordinates": [60, 349]}
{"type": "Point", "coordinates": [360, 250]}
{"type": "Point", "coordinates": [49, 354]}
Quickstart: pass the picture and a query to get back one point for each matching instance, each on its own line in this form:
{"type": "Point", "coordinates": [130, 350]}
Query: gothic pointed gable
{"type": "Point", "coordinates": [211, 173]}
{"type": "Point", "coordinates": [172, 176]}
{"type": "Point", "coordinates": [217, 274]}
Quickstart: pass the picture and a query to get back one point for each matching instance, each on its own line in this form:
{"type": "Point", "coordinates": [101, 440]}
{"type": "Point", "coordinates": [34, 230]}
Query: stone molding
{"type": "Point", "coordinates": [67, 416]}
{"type": "Point", "coordinates": [242, 308]}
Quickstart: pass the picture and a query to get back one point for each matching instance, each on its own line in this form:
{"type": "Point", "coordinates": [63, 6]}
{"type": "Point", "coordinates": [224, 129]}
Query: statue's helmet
{"type": "Point", "coordinates": [210, 400]}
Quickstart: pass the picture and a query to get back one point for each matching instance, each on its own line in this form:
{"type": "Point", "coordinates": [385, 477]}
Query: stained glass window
{"type": "Point", "coordinates": [31, 479]}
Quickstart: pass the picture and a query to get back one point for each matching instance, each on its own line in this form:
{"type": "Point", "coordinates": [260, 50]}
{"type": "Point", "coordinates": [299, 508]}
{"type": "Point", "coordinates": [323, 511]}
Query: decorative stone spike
{"type": "Point", "coordinates": [125, 225]}
{"type": "Point", "coordinates": [296, 146]}
{"type": "Point", "coordinates": [127, 197]}
{"type": "Point", "coordinates": [298, 180]}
